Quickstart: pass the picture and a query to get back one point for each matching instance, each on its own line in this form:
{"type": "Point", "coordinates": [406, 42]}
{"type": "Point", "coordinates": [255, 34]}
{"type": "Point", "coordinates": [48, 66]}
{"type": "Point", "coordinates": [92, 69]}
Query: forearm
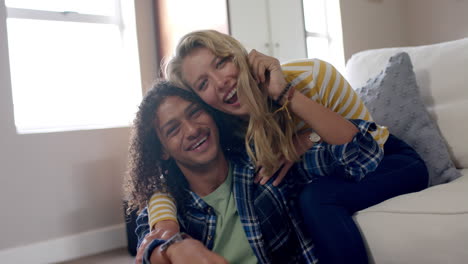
{"type": "Point", "coordinates": [332, 128]}
{"type": "Point", "coordinates": [357, 158]}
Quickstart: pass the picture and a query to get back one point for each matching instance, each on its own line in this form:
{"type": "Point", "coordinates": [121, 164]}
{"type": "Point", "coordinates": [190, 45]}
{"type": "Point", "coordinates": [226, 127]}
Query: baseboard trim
{"type": "Point", "coordinates": [69, 247]}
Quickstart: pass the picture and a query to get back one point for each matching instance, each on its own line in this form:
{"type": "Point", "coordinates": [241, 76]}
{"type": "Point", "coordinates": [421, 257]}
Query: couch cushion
{"type": "Point", "coordinates": [430, 226]}
{"type": "Point", "coordinates": [442, 76]}
{"type": "Point", "coordinates": [393, 99]}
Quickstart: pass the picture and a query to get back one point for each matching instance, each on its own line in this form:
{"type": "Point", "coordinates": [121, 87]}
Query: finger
{"type": "Point", "coordinates": [259, 64]}
{"type": "Point", "coordinates": [168, 234]}
{"type": "Point", "coordinates": [261, 71]}
{"type": "Point", "coordinates": [262, 65]}
{"type": "Point", "coordinates": [267, 177]}
{"type": "Point", "coordinates": [139, 257]}
{"type": "Point", "coordinates": [263, 177]}
{"type": "Point", "coordinates": [146, 241]}
{"type": "Point", "coordinates": [256, 65]}
{"type": "Point", "coordinates": [253, 63]}
{"type": "Point", "coordinates": [141, 251]}
{"type": "Point", "coordinates": [264, 180]}
{"type": "Point", "coordinates": [252, 53]}
{"type": "Point", "coordinates": [257, 179]}
{"type": "Point", "coordinates": [287, 165]}
{"type": "Point", "coordinates": [257, 174]}
{"type": "Point", "coordinates": [157, 233]}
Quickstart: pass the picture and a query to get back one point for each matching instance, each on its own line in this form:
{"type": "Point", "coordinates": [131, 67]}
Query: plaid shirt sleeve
{"type": "Point", "coordinates": [356, 158]}
{"type": "Point", "coordinates": [141, 231]}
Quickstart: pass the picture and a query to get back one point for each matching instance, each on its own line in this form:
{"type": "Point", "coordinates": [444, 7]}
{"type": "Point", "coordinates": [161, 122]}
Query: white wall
{"type": "Point", "coordinates": [59, 184]}
{"type": "Point", "coordinates": [433, 21]}
{"type": "Point", "coordinates": [371, 24]}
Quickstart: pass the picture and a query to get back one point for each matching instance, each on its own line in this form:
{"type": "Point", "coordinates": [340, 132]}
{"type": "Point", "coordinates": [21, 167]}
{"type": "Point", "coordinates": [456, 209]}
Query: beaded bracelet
{"type": "Point", "coordinates": [285, 90]}
{"type": "Point", "coordinates": [290, 92]}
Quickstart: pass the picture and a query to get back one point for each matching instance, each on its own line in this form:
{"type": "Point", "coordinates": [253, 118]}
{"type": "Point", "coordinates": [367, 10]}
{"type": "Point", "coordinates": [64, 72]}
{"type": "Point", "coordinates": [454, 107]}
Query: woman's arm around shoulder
{"type": "Point", "coordinates": [357, 158]}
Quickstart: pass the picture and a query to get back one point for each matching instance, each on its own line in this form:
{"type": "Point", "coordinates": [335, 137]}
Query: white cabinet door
{"type": "Point", "coordinates": [248, 21]}
{"type": "Point", "coordinates": [274, 27]}
{"type": "Point", "coordinates": [287, 29]}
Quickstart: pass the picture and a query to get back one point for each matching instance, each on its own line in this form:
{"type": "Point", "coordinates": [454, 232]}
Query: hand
{"type": "Point", "coordinates": [162, 230]}
{"type": "Point", "coordinates": [192, 251]}
{"type": "Point", "coordinates": [302, 144]}
{"type": "Point", "coordinates": [267, 71]}
{"type": "Point", "coordinates": [285, 165]}
{"type": "Point", "coordinates": [141, 250]}
{"type": "Point", "coordinates": [166, 229]}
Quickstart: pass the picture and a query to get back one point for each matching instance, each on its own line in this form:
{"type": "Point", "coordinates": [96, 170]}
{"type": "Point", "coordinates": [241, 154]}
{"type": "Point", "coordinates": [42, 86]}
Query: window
{"type": "Point", "coordinates": [324, 36]}
{"type": "Point", "coordinates": [73, 64]}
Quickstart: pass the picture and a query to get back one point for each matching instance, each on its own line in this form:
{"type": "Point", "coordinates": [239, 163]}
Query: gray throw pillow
{"type": "Point", "coordinates": [393, 100]}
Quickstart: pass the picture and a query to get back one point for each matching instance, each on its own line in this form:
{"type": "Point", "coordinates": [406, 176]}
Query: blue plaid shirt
{"type": "Point", "coordinates": [268, 213]}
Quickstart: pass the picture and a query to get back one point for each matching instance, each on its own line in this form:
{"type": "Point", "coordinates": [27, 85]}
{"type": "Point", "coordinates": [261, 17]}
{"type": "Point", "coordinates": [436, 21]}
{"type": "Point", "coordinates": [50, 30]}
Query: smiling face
{"type": "Point", "coordinates": [214, 79]}
{"type": "Point", "coordinates": [188, 133]}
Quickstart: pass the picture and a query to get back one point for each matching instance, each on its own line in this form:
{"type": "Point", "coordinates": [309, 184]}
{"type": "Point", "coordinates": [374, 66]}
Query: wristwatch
{"type": "Point", "coordinates": [314, 137]}
{"type": "Point", "coordinates": [174, 239]}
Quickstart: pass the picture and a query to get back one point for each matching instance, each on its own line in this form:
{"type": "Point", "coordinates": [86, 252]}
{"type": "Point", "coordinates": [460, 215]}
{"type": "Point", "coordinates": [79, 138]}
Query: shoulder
{"type": "Point", "coordinates": [242, 167]}
{"type": "Point", "coordinates": [299, 70]}
{"type": "Point", "coordinates": [298, 63]}
{"type": "Point", "coordinates": [304, 64]}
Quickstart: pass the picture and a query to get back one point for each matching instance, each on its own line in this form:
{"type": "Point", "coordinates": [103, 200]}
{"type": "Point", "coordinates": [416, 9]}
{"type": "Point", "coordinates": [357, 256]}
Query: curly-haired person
{"type": "Point", "coordinates": [177, 147]}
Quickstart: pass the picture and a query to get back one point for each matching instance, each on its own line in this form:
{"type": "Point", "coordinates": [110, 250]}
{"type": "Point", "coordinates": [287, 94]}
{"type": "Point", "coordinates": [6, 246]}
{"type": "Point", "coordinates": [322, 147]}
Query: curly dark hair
{"type": "Point", "coordinates": [148, 172]}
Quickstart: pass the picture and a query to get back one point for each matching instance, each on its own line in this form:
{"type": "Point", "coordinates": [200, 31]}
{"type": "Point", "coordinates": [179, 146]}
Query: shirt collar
{"type": "Point", "coordinates": [236, 163]}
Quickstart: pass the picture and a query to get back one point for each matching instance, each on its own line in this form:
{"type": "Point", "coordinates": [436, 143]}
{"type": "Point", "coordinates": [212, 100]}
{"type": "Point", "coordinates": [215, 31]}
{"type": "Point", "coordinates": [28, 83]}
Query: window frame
{"type": "Point", "coordinates": [333, 33]}
{"type": "Point", "coordinates": [67, 16]}
{"type": "Point", "coordinates": [72, 16]}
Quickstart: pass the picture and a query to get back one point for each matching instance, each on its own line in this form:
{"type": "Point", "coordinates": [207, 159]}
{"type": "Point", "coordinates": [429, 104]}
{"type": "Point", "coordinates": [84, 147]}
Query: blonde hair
{"type": "Point", "coordinates": [269, 136]}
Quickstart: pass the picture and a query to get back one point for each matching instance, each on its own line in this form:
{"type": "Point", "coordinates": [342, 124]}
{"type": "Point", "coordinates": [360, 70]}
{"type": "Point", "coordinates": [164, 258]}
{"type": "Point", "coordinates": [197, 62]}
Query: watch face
{"type": "Point", "coordinates": [314, 137]}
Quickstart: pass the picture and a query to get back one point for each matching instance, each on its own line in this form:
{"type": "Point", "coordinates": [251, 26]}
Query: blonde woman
{"type": "Point", "coordinates": [285, 110]}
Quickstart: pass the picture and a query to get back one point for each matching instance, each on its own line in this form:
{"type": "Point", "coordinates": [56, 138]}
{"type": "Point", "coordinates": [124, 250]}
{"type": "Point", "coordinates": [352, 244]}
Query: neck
{"type": "Point", "coordinates": [205, 179]}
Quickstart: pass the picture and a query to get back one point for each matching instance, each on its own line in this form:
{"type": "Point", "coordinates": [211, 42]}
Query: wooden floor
{"type": "Point", "coordinates": [118, 256]}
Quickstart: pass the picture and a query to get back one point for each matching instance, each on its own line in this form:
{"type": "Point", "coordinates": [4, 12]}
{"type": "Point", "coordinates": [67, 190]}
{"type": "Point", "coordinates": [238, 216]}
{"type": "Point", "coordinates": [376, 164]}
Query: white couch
{"type": "Point", "coordinates": [430, 226]}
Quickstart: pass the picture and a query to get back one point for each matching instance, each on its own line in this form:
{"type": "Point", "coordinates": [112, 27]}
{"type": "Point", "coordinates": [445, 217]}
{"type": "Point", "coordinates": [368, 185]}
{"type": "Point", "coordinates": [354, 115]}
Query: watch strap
{"type": "Point", "coordinates": [149, 250]}
{"type": "Point", "coordinates": [174, 239]}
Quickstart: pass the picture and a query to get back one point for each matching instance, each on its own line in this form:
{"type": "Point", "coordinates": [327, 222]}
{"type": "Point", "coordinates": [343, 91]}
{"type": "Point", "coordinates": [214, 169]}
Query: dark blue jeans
{"type": "Point", "coordinates": [327, 204]}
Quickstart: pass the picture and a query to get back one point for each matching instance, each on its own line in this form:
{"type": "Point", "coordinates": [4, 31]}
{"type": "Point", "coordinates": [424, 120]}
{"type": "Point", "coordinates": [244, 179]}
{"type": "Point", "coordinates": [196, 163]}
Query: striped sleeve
{"type": "Point", "coordinates": [161, 207]}
{"type": "Point", "coordinates": [321, 82]}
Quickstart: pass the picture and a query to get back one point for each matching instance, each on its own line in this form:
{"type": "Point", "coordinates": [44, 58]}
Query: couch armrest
{"type": "Point", "coordinates": [430, 226]}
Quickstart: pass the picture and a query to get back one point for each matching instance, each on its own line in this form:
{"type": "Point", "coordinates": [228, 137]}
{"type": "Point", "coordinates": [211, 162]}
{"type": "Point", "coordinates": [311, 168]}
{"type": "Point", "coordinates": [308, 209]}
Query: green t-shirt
{"type": "Point", "coordinates": [230, 240]}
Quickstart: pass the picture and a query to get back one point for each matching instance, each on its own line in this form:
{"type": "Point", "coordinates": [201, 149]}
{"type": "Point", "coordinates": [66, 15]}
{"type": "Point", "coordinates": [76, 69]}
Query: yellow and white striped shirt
{"type": "Point", "coordinates": [319, 81]}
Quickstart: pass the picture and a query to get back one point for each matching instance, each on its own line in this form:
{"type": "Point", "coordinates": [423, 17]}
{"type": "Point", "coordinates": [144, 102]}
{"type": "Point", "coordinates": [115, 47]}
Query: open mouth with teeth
{"type": "Point", "coordinates": [231, 97]}
{"type": "Point", "coordinates": [200, 144]}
